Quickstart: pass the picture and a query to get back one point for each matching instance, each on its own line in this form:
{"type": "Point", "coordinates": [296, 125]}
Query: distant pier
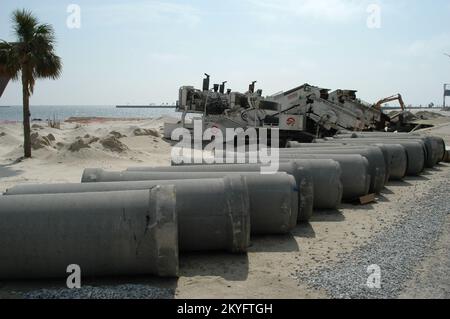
{"type": "Point", "coordinates": [145, 106]}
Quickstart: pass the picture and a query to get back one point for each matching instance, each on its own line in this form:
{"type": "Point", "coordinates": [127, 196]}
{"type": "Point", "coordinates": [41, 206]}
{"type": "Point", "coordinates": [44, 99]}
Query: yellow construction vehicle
{"type": "Point", "coordinates": [396, 97]}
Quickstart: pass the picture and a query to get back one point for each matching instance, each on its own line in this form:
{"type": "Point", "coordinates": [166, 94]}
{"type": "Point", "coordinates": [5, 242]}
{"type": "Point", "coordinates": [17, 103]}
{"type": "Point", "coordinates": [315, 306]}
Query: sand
{"type": "Point", "coordinates": [76, 146]}
{"type": "Point", "coordinates": [269, 269]}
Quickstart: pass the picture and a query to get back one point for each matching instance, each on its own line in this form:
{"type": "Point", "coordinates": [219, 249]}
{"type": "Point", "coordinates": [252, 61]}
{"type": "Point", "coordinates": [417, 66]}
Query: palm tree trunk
{"type": "Point", "coordinates": [26, 117]}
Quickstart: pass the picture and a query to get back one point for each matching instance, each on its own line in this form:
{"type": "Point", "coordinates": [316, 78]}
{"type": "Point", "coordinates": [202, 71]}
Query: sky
{"type": "Point", "coordinates": [142, 51]}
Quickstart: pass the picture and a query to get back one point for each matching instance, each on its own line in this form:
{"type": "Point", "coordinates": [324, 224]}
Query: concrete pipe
{"type": "Point", "coordinates": [442, 148]}
{"type": "Point", "coordinates": [447, 155]}
{"type": "Point", "coordinates": [325, 175]}
{"type": "Point", "coordinates": [302, 177]}
{"type": "Point", "coordinates": [355, 174]}
{"type": "Point", "coordinates": [106, 234]}
{"type": "Point", "coordinates": [416, 152]}
{"type": "Point", "coordinates": [435, 146]}
{"type": "Point", "coordinates": [395, 154]}
{"type": "Point", "coordinates": [437, 149]}
{"type": "Point", "coordinates": [377, 134]}
{"type": "Point", "coordinates": [271, 213]}
{"type": "Point", "coordinates": [227, 228]}
{"type": "Point", "coordinates": [365, 181]}
{"type": "Point", "coordinates": [267, 216]}
{"type": "Point", "coordinates": [377, 161]}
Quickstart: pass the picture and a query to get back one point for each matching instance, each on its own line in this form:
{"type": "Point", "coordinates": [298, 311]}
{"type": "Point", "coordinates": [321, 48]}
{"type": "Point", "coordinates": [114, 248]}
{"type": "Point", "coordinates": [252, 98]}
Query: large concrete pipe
{"type": "Point", "coordinates": [377, 134]}
{"type": "Point", "coordinates": [325, 175]}
{"type": "Point", "coordinates": [283, 191]}
{"type": "Point", "coordinates": [427, 144]}
{"type": "Point", "coordinates": [106, 234]}
{"type": "Point", "coordinates": [377, 161]}
{"type": "Point", "coordinates": [213, 214]}
{"type": "Point", "coordinates": [442, 147]}
{"type": "Point", "coordinates": [351, 190]}
{"type": "Point", "coordinates": [272, 211]}
{"type": "Point", "coordinates": [395, 153]}
{"type": "Point", "coordinates": [276, 194]}
{"type": "Point", "coordinates": [415, 150]}
{"type": "Point", "coordinates": [447, 155]}
{"type": "Point", "coordinates": [355, 175]}
{"type": "Point", "coordinates": [435, 146]}
{"type": "Point", "coordinates": [303, 178]}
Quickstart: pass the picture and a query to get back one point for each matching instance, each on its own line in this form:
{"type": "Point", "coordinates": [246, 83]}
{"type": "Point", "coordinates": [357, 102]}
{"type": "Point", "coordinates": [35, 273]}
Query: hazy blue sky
{"type": "Point", "coordinates": [143, 51]}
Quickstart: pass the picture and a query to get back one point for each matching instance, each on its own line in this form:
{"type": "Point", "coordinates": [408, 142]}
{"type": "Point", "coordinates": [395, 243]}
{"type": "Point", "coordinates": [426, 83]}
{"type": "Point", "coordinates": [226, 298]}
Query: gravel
{"type": "Point", "coordinates": [397, 251]}
{"type": "Point", "coordinates": [110, 292]}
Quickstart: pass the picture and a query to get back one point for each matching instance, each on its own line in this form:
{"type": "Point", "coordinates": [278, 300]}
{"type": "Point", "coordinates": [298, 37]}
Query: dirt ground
{"type": "Point", "coordinates": [269, 269]}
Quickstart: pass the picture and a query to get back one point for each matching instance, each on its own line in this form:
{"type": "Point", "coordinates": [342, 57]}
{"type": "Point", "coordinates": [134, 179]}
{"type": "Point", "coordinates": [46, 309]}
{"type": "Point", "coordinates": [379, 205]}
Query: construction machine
{"type": "Point", "coordinates": [374, 119]}
{"type": "Point", "coordinates": [220, 110]}
{"type": "Point", "coordinates": [322, 116]}
{"type": "Point", "coordinates": [395, 97]}
{"type": "Point", "coordinates": [393, 121]}
{"type": "Point", "coordinates": [300, 114]}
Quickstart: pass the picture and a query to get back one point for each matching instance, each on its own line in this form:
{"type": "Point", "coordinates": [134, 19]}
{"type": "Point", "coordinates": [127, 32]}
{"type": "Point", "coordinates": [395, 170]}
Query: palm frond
{"type": "Point", "coordinates": [24, 24]}
{"type": "Point", "coordinates": [46, 31]}
{"type": "Point", "coordinates": [9, 60]}
{"type": "Point", "coordinates": [33, 55]}
{"type": "Point", "coordinates": [48, 66]}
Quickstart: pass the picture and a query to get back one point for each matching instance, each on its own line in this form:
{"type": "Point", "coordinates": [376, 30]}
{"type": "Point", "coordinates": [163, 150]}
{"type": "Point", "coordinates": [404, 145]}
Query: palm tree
{"type": "Point", "coordinates": [31, 57]}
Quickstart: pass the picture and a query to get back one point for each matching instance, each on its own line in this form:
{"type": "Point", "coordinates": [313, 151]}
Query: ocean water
{"type": "Point", "coordinates": [14, 113]}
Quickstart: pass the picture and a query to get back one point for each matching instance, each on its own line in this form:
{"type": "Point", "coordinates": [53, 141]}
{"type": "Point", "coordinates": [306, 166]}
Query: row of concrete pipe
{"type": "Point", "coordinates": [135, 222]}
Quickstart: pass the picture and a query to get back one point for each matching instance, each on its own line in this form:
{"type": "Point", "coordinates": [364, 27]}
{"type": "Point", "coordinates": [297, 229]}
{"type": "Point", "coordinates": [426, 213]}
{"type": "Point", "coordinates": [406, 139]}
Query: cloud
{"type": "Point", "coordinates": [325, 10]}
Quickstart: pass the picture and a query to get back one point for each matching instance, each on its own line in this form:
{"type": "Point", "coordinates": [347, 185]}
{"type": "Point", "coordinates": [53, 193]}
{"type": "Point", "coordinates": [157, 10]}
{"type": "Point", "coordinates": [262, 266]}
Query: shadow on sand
{"type": "Point", "coordinates": [6, 170]}
{"type": "Point", "coordinates": [274, 244]}
{"type": "Point", "coordinates": [330, 215]}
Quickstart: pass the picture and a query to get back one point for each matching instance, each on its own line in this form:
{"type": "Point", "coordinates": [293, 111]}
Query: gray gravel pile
{"type": "Point", "coordinates": [396, 251]}
{"type": "Point", "coordinates": [110, 292]}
